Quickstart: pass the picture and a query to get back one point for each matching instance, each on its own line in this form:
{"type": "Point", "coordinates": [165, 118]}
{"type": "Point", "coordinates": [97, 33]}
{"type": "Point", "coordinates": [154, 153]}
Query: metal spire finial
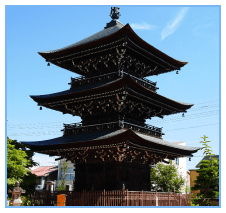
{"type": "Point", "coordinates": [115, 14]}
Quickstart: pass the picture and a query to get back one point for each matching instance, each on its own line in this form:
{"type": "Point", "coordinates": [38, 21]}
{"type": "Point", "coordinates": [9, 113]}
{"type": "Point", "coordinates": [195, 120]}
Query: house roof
{"type": "Point", "coordinates": [44, 170]}
{"type": "Point", "coordinates": [206, 158]}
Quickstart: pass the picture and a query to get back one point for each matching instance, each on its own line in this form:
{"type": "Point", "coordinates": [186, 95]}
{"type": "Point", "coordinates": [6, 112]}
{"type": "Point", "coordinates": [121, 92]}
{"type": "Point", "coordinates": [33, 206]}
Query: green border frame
{"type": "Point", "coordinates": [116, 3]}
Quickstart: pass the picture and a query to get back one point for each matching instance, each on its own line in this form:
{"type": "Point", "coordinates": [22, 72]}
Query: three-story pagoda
{"type": "Point", "coordinates": [112, 147]}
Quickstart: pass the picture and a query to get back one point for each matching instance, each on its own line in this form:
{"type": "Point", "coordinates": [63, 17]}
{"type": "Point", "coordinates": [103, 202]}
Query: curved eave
{"type": "Point", "coordinates": [88, 45]}
{"type": "Point", "coordinates": [108, 87]}
{"type": "Point", "coordinates": [124, 32]}
{"type": "Point", "coordinates": [152, 49]}
{"type": "Point", "coordinates": [121, 135]}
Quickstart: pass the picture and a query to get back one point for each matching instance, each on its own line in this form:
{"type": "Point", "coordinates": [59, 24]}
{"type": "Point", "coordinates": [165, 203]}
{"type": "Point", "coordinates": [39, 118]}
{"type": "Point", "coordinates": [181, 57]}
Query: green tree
{"type": "Point", "coordinates": [18, 162]}
{"type": "Point", "coordinates": [208, 179]}
{"type": "Point", "coordinates": [166, 178]}
{"type": "Point", "coordinates": [63, 178]}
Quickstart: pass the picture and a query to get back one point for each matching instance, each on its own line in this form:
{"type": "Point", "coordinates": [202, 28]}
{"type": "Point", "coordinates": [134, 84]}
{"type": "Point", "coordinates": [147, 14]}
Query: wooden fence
{"type": "Point", "coordinates": [111, 198]}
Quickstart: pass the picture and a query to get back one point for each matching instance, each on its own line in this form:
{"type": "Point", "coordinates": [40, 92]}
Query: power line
{"type": "Point", "coordinates": [210, 113]}
{"type": "Point", "coordinates": [207, 102]}
{"type": "Point", "coordinates": [57, 132]}
{"type": "Point", "coordinates": [203, 107]}
{"type": "Point", "coordinates": [11, 125]}
{"type": "Point", "coordinates": [191, 127]}
{"type": "Point", "coordinates": [171, 120]}
{"type": "Point", "coordinates": [176, 119]}
{"type": "Point", "coordinates": [41, 123]}
{"type": "Point", "coordinates": [155, 122]}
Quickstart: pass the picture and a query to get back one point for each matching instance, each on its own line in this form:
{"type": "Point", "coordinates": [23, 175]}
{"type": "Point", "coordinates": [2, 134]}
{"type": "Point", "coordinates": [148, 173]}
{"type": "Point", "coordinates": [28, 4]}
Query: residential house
{"type": "Point", "coordinates": [193, 177]}
{"type": "Point", "coordinates": [182, 168]}
{"type": "Point", "coordinates": [44, 173]}
{"type": "Point", "coordinates": [70, 174]}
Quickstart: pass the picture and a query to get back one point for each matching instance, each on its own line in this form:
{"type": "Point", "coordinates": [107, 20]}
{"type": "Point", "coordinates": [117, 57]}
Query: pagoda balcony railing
{"type": "Point", "coordinates": [78, 128]}
{"type": "Point", "coordinates": [82, 81]}
{"type": "Point", "coordinates": [143, 81]}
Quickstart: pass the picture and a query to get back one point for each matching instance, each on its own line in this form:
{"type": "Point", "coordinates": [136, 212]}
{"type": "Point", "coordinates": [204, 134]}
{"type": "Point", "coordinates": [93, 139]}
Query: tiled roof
{"type": "Point", "coordinates": [72, 90]}
{"type": "Point", "coordinates": [44, 170]}
{"type": "Point", "coordinates": [105, 135]}
{"type": "Point", "coordinates": [77, 138]}
{"type": "Point", "coordinates": [167, 143]}
{"type": "Point", "coordinates": [206, 158]}
{"type": "Point", "coordinates": [180, 102]}
{"type": "Point", "coordinates": [103, 33]}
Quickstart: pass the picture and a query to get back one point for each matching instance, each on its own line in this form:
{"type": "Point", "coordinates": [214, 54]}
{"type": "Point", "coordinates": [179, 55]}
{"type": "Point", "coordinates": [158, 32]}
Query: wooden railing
{"type": "Point", "coordinates": [82, 81]}
{"type": "Point", "coordinates": [111, 198]}
{"type": "Point", "coordinates": [78, 128]}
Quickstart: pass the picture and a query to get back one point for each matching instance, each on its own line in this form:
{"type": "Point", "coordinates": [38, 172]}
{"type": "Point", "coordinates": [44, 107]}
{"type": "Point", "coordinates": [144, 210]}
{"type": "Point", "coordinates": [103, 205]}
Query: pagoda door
{"type": "Point", "coordinates": [95, 177]}
{"type": "Point", "coordinates": [95, 180]}
{"type": "Point", "coordinates": [135, 181]}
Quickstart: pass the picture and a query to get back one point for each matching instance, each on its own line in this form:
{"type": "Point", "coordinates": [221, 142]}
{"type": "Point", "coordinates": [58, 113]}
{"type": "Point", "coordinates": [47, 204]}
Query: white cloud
{"type": "Point", "coordinates": [143, 26]}
{"type": "Point", "coordinates": [173, 25]}
{"type": "Point", "coordinates": [201, 30]}
{"type": "Point", "coordinates": [44, 160]}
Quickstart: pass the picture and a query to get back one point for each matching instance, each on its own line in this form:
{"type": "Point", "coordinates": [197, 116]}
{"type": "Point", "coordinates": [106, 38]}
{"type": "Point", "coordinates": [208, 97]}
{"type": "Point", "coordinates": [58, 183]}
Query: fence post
{"type": "Point", "coordinates": [127, 203]}
{"type": "Point", "coordinates": [142, 198]}
{"type": "Point", "coordinates": [104, 198]}
{"type": "Point", "coordinates": [189, 204]}
{"type": "Point", "coordinates": [179, 200]}
{"type": "Point", "coordinates": [168, 198]}
{"type": "Point", "coordinates": [156, 198]}
{"type": "Point", "coordinates": [123, 190]}
{"type": "Point", "coordinates": [83, 198]}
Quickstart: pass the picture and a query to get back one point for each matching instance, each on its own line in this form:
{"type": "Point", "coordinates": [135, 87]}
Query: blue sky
{"type": "Point", "coordinates": [187, 33]}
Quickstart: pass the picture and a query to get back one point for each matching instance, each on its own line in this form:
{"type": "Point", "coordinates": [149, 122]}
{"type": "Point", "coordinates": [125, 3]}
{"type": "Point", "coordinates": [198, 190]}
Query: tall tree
{"type": "Point", "coordinates": [166, 178]}
{"type": "Point", "coordinates": [208, 179]}
{"type": "Point", "coordinates": [19, 159]}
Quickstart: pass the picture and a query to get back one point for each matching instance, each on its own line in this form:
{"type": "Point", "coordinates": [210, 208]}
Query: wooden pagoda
{"type": "Point", "coordinates": [112, 147]}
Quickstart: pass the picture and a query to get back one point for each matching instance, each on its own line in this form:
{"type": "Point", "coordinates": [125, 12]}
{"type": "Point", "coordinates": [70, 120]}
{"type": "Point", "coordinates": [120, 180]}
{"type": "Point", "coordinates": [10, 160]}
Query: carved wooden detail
{"type": "Point", "coordinates": [116, 153]}
{"type": "Point", "coordinates": [115, 58]}
{"type": "Point", "coordinates": [117, 103]}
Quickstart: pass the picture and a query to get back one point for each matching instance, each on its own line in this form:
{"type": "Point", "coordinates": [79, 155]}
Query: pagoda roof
{"type": "Point", "coordinates": [109, 137]}
{"type": "Point", "coordinates": [69, 91]}
{"type": "Point", "coordinates": [94, 43]}
{"type": "Point", "coordinates": [132, 86]}
{"type": "Point", "coordinates": [99, 35]}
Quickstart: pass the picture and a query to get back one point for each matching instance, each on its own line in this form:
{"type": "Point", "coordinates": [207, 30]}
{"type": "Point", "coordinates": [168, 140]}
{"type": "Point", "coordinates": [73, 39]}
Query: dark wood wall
{"type": "Point", "coordinates": [112, 176]}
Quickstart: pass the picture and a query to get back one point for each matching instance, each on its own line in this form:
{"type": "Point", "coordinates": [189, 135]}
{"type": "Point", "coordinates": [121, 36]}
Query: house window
{"type": "Point", "coordinates": [70, 177]}
{"type": "Point", "coordinates": [177, 161]}
{"type": "Point", "coordinates": [38, 181]}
